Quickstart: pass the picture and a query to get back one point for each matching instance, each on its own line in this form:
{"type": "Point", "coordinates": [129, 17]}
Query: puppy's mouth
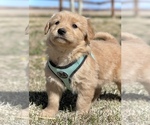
{"type": "Point", "coordinates": [62, 39]}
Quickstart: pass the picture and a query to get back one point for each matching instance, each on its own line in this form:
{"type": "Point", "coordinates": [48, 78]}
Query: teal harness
{"type": "Point", "coordinates": [65, 73]}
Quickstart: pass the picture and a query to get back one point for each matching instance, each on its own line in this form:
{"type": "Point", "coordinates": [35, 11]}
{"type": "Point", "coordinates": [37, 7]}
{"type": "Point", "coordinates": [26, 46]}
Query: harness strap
{"type": "Point", "coordinates": [65, 73]}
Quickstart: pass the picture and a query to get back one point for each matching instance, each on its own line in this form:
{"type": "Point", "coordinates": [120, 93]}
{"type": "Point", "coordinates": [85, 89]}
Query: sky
{"type": "Point", "coordinates": [55, 3]}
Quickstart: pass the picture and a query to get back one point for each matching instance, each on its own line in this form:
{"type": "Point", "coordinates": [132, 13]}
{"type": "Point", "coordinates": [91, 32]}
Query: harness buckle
{"type": "Point", "coordinates": [62, 74]}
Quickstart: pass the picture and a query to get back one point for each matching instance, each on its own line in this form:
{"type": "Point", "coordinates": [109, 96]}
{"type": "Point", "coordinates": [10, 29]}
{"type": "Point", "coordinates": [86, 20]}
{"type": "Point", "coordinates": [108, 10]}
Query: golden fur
{"type": "Point", "coordinates": [135, 57]}
{"type": "Point", "coordinates": [78, 41]}
{"type": "Point", "coordinates": [104, 36]}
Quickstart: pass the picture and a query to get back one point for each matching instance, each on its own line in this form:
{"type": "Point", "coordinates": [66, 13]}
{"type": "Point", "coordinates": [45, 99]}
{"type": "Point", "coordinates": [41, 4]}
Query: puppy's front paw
{"type": "Point", "coordinates": [47, 114]}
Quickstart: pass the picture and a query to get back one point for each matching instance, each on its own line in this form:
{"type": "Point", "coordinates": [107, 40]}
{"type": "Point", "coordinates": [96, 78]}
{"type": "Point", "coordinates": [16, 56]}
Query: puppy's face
{"type": "Point", "coordinates": [66, 28]}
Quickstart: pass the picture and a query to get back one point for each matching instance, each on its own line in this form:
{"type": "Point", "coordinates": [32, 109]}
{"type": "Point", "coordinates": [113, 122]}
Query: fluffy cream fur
{"type": "Point", "coordinates": [77, 41]}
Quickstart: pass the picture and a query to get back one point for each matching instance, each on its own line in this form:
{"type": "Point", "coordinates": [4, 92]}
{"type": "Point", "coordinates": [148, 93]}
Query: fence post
{"type": "Point", "coordinates": [60, 5]}
{"type": "Point", "coordinates": [80, 7]}
{"type": "Point", "coordinates": [136, 8]}
{"type": "Point", "coordinates": [112, 8]}
{"type": "Point", "coordinates": [72, 7]}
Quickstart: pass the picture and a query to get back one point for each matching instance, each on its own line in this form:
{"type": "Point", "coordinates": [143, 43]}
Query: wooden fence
{"type": "Point", "coordinates": [81, 2]}
{"type": "Point", "coordinates": [135, 3]}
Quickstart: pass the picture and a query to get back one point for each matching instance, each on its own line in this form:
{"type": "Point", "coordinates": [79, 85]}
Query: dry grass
{"type": "Point", "coordinates": [138, 26]}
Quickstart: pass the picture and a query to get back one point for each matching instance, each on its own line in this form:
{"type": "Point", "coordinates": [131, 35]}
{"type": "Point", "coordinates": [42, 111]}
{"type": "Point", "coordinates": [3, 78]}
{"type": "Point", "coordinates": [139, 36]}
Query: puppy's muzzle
{"type": "Point", "coordinates": [61, 31]}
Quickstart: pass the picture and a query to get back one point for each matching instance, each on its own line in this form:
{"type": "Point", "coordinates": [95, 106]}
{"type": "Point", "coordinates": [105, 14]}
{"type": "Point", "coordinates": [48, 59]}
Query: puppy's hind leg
{"type": "Point", "coordinates": [97, 94]}
{"type": "Point", "coordinates": [146, 85]}
{"type": "Point", "coordinates": [146, 78]}
{"type": "Point", "coordinates": [118, 83]}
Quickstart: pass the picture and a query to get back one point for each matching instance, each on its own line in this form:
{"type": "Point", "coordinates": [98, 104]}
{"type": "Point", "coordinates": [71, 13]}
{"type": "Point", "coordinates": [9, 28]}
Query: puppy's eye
{"type": "Point", "coordinates": [74, 26]}
{"type": "Point", "coordinates": [57, 23]}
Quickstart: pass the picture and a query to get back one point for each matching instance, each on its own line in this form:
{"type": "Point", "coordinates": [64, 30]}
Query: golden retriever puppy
{"type": "Point", "coordinates": [135, 60]}
{"type": "Point", "coordinates": [70, 42]}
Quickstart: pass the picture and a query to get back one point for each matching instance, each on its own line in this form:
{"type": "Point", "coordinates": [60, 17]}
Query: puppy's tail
{"type": "Point", "coordinates": [126, 36]}
{"type": "Point", "coordinates": [130, 37]}
{"type": "Point", "coordinates": [105, 37]}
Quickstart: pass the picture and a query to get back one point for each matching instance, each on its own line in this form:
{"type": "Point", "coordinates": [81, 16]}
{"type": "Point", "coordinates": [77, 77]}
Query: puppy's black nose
{"type": "Point", "coordinates": [61, 31]}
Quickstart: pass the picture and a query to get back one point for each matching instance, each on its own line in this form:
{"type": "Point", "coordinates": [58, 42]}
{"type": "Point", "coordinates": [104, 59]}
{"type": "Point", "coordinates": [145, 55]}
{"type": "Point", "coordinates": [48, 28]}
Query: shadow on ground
{"type": "Point", "coordinates": [133, 96]}
{"type": "Point", "coordinates": [67, 102]}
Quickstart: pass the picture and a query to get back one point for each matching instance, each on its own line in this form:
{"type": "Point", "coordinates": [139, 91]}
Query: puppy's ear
{"type": "Point", "coordinates": [90, 32]}
{"type": "Point", "coordinates": [47, 27]}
